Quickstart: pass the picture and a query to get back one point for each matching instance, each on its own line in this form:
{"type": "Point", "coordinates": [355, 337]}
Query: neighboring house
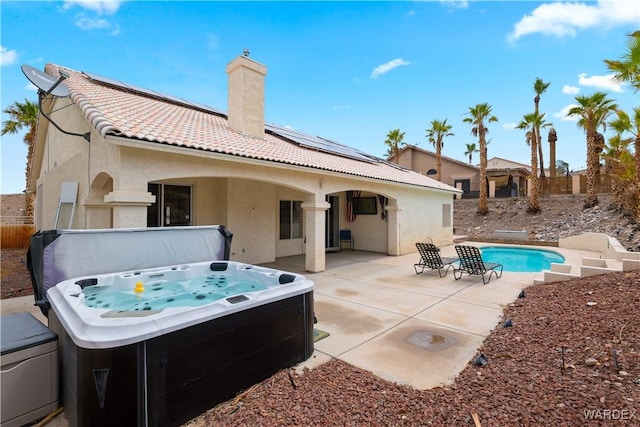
{"type": "Point", "coordinates": [454, 172]}
{"type": "Point", "coordinates": [509, 177]}
{"type": "Point", "coordinates": [505, 178]}
{"type": "Point", "coordinates": [155, 160]}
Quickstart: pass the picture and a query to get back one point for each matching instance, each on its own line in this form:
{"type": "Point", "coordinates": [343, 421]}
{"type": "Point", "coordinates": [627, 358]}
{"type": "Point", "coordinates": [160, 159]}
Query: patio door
{"type": "Point", "coordinates": [332, 224]}
{"type": "Point", "coordinates": [172, 206]}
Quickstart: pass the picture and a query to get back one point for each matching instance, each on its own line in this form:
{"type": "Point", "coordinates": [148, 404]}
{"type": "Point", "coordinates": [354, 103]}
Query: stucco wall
{"type": "Point", "coordinates": [421, 162]}
{"type": "Point", "coordinates": [251, 220]}
{"type": "Point", "coordinates": [420, 215]}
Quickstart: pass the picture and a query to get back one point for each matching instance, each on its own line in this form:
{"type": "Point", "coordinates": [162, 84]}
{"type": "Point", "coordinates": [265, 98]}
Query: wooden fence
{"type": "Point", "coordinates": [16, 236]}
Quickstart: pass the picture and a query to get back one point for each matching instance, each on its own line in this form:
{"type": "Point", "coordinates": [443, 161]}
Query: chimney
{"type": "Point", "coordinates": [246, 96]}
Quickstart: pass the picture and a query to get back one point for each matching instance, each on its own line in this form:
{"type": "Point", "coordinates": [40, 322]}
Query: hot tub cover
{"type": "Point", "coordinates": [58, 255]}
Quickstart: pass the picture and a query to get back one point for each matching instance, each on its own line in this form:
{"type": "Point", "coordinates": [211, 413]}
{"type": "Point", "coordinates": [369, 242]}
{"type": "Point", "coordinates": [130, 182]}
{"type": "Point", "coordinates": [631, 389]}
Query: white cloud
{"type": "Point", "coordinates": [600, 82]}
{"type": "Point", "coordinates": [457, 4]}
{"type": "Point", "coordinates": [87, 24]}
{"type": "Point", "coordinates": [31, 87]}
{"type": "Point", "coordinates": [385, 68]}
{"type": "Point", "coordinates": [570, 90]}
{"type": "Point", "coordinates": [562, 114]}
{"type": "Point", "coordinates": [97, 8]}
{"type": "Point", "coordinates": [563, 19]}
{"type": "Point", "coordinates": [341, 107]}
{"type": "Point", "coordinates": [7, 56]}
{"type": "Point", "coordinates": [108, 7]}
{"type": "Point", "coordinates": [509, 125]}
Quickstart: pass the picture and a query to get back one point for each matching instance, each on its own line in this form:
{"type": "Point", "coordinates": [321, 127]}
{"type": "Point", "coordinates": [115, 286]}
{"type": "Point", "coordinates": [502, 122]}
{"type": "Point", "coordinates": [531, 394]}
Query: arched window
{"type": "Point", "coordinates": [432, 172]}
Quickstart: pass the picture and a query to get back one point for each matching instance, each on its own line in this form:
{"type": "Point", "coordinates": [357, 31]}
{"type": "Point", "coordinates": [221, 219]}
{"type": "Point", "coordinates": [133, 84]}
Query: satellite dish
{"type": "Point", "coordinates": [45, 82]}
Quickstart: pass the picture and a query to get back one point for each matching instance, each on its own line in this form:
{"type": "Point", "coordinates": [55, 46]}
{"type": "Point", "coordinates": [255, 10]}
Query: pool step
{"type": "Point", "coordinates": [558, 273]}
{"type": "Point", "coordinates": [588, 267]}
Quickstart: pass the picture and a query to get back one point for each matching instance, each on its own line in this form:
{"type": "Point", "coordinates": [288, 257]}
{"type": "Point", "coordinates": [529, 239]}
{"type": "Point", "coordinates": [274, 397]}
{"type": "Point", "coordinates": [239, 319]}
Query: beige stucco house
{"type": "Point", "coordinates": [512, 177]}
{"type": "Point", "coordinates": [155, 160]}
{"type": "Point", "coordinates": [505, 178]}
{"type": "Point", "coordinates": [453, 172]}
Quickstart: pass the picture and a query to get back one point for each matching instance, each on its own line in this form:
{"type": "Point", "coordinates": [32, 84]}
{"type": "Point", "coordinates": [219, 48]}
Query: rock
{"type": "Point", "coordinates": [591, 362]}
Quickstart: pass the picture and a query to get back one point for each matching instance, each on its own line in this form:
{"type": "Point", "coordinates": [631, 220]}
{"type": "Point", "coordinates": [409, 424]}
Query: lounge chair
{"type": "Point", "coordinates": [472, 263]}
{"type": "Point", "coordinates": [430, 258]}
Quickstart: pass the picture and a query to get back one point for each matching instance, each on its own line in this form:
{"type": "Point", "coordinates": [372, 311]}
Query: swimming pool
{"type": "Point", "coordinates": [520, 259]}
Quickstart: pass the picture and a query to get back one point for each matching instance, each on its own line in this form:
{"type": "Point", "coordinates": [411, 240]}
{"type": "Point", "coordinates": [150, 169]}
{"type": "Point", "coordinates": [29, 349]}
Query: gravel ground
{"type": "Point", "coordinates": [560, 217]}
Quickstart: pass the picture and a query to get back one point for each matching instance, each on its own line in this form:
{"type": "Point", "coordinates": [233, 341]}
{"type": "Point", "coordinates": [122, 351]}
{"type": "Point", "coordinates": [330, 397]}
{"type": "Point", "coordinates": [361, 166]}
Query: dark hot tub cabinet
{"type": "Point", "coordinates": [161, 366]}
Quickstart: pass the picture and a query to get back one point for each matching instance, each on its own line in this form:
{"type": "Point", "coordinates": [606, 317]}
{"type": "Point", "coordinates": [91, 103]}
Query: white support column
{"type": "Point", "coordinates": [314, 228]}
{"type": "Point", "coordinates": [492, 189]}
{"type": "Point", "coordinates": [129, 208]}
{"type": "Point", "coordinates": [393, 212]}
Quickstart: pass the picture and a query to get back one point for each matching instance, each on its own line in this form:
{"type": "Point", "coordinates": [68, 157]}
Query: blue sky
{"type": "Point", "coordinates": [348, 71]}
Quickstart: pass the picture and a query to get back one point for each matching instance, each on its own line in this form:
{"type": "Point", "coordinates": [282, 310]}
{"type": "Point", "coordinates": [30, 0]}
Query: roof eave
{"type": "Point", "coordinates": [169, 148]}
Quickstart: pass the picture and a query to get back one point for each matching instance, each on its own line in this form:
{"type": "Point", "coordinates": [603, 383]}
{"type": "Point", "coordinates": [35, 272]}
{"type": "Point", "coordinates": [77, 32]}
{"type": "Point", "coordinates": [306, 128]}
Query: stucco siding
{"type": "Point", "coordinates": [251, 220]}
{"type": "Point", "coordinates": [73, 169]}
{"type": "Point", "coordinates": [210, 201]}
{"type": "Point", "coordinates": [420, 216]}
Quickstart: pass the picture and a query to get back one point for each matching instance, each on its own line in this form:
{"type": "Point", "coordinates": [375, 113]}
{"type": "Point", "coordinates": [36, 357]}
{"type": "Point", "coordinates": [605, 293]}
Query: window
{"type": "Point", "coordinates": [290, 219]}
{"type": "Point", "coordinates": [172, 206]}
{"type": "Point", "coordinates": [432, 172]}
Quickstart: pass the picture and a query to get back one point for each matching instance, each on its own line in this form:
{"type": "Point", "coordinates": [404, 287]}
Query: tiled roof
{"type": "Point", "coordinates": [117, 111]}
{"type": "Point", "coordinates": [431, 153]}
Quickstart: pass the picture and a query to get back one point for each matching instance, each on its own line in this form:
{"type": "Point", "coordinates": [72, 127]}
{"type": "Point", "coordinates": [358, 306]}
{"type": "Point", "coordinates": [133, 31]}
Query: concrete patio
{"type": "Point", "coordinates": [414, 329]}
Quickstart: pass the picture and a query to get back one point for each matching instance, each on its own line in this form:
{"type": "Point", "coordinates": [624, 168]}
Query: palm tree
{"type": "Point", "coordinates": [531, 123]}
{"type": "Point", "coordinates": [627, 69]}
{"type": "Point", "coordinates": [478, 115]}
{"type": "Point", "coordinates": [618, 160]}
{"type": "Point", "coordinates": [592, 112]}
{"type": "Point", "coordinates": [471, 148]}
{"type": "Point", "coordinates": [629, 195]}
{"type": "Point", "coordinates": [624, 123]}
{"type": "Point", "coordinates": [539, 87]}
{"type": "Point", "coordinates": [435, 135]}
{"type": "Point", "coordinates": [394, 141]}
{"type": "Point", "coordinates": [552, 138]}
{"type": "Point", "coordinates": [24, 115]}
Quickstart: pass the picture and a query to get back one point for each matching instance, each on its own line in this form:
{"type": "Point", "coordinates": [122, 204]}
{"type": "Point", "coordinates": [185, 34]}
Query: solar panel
{"type": "Point", "coordinates": [321, 144]}
{"type": "Point", "coordinates": [297, 137]}
{"type": "Point", "coordinates": [153, 93]}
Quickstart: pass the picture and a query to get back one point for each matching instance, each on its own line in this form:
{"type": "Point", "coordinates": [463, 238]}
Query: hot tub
{"type": "Point", "coordinates": [158, 346]}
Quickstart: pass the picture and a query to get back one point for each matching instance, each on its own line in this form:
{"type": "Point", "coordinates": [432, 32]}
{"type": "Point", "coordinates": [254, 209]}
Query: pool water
{"type": "Point", "coordinates": [521, 260]}
{"type": "Point", "coordinates": [162, 294]}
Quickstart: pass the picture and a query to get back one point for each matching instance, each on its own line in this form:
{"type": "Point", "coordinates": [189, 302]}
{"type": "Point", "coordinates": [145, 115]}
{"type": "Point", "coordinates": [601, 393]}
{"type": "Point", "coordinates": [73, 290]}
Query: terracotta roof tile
{"type": "Point", "coordinates": [116, 111]}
